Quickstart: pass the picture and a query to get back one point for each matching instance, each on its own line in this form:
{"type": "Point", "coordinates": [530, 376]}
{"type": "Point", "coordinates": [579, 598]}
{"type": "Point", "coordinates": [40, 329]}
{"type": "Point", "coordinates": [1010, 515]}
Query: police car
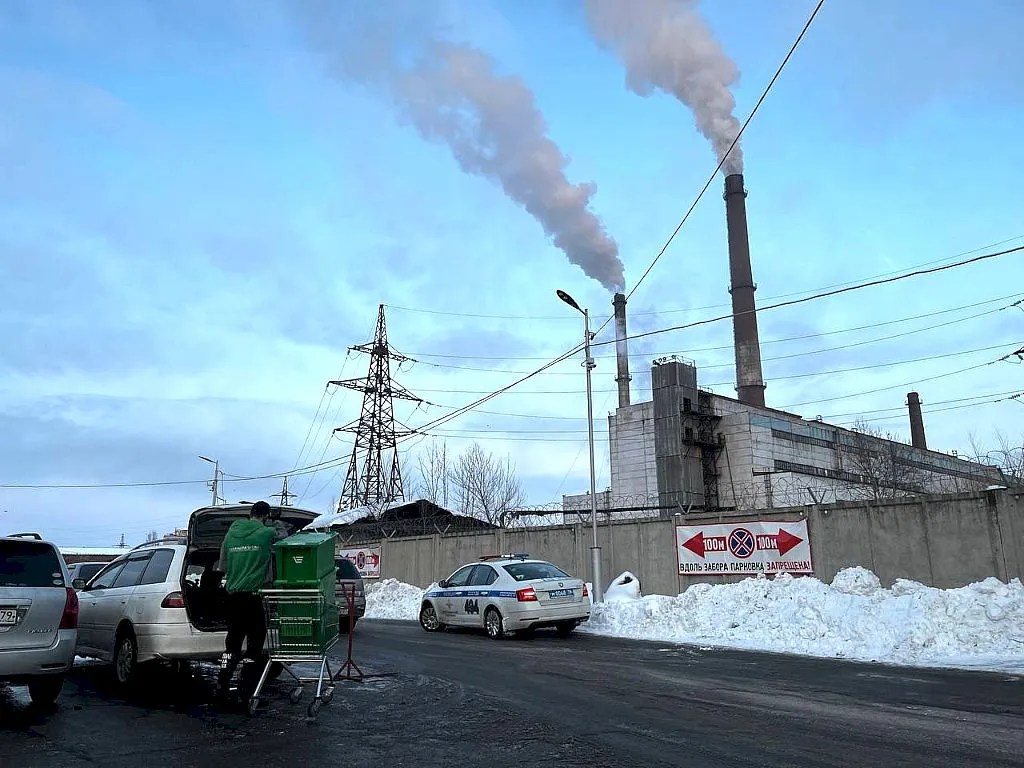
{"type": "Point", "coordinates": [506, 593]}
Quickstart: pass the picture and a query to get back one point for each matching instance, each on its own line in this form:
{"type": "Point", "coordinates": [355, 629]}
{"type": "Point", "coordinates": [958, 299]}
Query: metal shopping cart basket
{"type": "Point", "coordinates": [302, 627]}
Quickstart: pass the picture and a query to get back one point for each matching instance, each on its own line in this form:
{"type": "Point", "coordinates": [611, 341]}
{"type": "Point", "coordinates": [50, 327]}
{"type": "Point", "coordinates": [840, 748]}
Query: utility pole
{"type": "Point", "coordinates": [374, 430]}
{"type": "Point", "coordinates": [284, 495]}
{"type": "Point", "coordinates": [589, 365]}
{"type": "Point", "coordinates": [214, 484]}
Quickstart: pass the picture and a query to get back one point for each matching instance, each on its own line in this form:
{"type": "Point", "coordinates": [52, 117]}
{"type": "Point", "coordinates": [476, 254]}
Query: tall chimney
{"type": "Point", "coordinates": [917, 438]}
{"type": "Point", "coordinates": [749, 381]}
{"type": "Point", "coordinates": [621, 349]}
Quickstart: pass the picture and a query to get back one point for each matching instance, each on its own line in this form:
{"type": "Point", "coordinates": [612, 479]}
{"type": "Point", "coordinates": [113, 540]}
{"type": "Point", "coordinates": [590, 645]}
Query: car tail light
{"type": "Point", "coordinates": [586, 592]}
{"type": "Point", "coordinates": [70, 618]}
{"type": "Point", "coordinates": [173, 600]}
{"type": "Point", "coordinates": [526, 595]}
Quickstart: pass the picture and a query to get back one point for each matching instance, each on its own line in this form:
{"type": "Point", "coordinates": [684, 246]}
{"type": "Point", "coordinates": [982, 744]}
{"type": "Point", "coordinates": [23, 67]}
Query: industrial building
{"type": "Point", "coordinates": [689, 448]}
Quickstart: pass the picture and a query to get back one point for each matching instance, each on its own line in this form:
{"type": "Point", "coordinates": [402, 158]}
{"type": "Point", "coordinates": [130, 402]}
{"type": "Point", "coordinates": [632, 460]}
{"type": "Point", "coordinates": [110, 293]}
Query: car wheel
{"type": "Point", "coordinates": [565, 628]}
{"type": "Point", "coordinates": [493, 624]}
{"type": "Point", "coordinates": [126, 658]}
{"type": "Point", "coordinates": [45, 690]}
{"type": "Point", "coordinates": [428, 618]}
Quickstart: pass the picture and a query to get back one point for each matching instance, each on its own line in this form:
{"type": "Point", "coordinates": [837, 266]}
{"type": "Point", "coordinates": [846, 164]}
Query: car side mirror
{"type": "Point", "coordinates": [78, 584]}
{"type": "Point", "coordinates": [442, 583]}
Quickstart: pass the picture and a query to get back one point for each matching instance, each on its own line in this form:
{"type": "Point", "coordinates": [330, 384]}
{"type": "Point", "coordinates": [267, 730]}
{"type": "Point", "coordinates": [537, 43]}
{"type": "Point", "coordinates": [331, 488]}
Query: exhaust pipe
{"type": "Point", "coordinates": [749, 379]}
{"type": "Point", "coordinates": [917, 438]}
{"type": "Point", "coordinates": [622, 377]}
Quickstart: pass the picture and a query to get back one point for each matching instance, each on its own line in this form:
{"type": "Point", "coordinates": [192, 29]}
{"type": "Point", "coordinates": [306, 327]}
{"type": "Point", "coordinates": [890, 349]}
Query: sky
{"type": "Point", "coordinates": [203, 204]}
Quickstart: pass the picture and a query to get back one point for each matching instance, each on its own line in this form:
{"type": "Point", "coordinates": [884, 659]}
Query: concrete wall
{"type": "Point", "coordinates": [944, 542]}
{"type": "Point", "coordinates": [632, 451]}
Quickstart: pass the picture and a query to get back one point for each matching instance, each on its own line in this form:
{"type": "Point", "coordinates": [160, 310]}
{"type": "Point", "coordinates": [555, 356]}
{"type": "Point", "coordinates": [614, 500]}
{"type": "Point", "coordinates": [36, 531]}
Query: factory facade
{"type": "Point", "coordinates": [688, 448]}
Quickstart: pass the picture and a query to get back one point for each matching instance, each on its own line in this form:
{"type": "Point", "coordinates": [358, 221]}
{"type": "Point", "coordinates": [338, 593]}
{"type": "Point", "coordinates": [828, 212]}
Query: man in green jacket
{"type": "Point", "coordinates": [245, 559]}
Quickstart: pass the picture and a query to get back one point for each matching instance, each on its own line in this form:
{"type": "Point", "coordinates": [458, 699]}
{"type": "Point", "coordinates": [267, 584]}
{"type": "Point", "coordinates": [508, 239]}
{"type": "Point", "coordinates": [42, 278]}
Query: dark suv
{"type": "Point", "coordinates": [38, 616]}
{"type": "Point", "coordinates": [347, 577]}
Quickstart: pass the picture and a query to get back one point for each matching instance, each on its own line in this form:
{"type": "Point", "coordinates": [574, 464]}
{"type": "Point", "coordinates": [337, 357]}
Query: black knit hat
{"type": "Point", "coordinates": [260, 509]}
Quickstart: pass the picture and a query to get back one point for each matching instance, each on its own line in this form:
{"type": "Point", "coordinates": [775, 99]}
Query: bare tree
{"type": "Point", "coordinates": [434, 480]}
{"type": "Point", "coordinates": [883, 463]}
{"type": "Point", "coordinates": [485, 486]}
{"type": "Point", "coordinates": [1007, 456]}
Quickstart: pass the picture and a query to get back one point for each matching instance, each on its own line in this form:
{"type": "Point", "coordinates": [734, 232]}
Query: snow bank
{"type": "Point", "coordinates": [980, 625]}
{"type": "Point", "coordinates": [392, 599]}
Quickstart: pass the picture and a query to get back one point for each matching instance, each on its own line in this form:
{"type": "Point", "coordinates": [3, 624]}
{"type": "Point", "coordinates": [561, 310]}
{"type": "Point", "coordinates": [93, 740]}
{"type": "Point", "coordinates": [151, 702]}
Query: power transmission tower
{"type": "Point", "coordinates": [375, 429]}
{"type": "Point", "coordinates": [285, 496]}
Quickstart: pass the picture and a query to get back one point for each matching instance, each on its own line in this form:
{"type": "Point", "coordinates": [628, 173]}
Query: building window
{"type": "Point", "coordinates": [687, 405]}
{"type": "Point", "coordinates": [688, 432]}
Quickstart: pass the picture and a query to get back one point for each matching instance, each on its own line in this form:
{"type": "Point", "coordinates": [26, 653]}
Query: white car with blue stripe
{"type": "Point", "coordinates": [506, 593]}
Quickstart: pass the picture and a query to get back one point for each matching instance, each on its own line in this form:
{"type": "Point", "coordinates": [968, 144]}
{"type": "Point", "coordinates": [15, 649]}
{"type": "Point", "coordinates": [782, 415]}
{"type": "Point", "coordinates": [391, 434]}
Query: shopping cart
{"type": "Point", "coordinates": [302, 627]}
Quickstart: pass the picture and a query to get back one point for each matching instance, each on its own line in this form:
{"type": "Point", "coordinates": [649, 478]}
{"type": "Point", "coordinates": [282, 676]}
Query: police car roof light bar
{"type": "Point", "coordinates": [508, 556]}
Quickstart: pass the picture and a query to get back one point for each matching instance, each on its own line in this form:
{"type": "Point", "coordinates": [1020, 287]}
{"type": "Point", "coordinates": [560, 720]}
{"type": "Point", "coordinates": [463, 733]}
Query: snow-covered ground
{"type": "Point", "coordinates": [980, 626]}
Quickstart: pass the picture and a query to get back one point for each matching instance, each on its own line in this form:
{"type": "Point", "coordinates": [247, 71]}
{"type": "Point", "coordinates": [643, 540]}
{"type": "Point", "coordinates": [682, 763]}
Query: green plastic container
{"type": "Point", "coordinates": [325, 585]}
{"type": "Point", "coordinates": [300, 635]}
{"type": "Point", "coordinates": [303, 560]}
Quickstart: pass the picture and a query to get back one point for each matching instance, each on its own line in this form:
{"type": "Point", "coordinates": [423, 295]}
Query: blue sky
{"type": "Point", "coordinates": [197, 218]}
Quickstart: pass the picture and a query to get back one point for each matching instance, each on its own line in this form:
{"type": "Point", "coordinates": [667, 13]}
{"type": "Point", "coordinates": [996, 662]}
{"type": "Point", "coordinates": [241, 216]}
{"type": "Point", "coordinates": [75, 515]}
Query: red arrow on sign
{"type": "Point", "coordinates": [696, 544]}
{"type": "Point", "coordinates": [786, 541]}
{"type": "Point", "coordinates": [699, 545]}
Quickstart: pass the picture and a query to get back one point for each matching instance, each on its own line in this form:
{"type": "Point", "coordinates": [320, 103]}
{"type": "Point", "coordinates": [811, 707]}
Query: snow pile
{"type": "Point", "coordinates": [980, 625]}
{"type": "Point", "coordinates": [392, 599]}
{"type": "Point", "coordinates": [623, 589]}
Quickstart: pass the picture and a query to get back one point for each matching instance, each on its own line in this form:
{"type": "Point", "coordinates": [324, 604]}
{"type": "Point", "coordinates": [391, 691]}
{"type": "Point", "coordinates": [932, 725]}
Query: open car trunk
{"type": "Point", "coordinates": [203, 580]}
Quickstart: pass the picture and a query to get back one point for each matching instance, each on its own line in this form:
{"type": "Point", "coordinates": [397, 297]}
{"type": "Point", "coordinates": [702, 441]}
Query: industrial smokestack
{"type": "Point", "coordinates": [621, 349]}
{"type": "Point", "coordinates": [749, 381]}
{"type": "Point", "coordinates": [917, 438]}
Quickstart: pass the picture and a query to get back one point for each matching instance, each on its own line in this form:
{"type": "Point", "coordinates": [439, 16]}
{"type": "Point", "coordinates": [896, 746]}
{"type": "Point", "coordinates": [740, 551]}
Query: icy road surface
{"type": "Point", "coordinates": [458, 698]}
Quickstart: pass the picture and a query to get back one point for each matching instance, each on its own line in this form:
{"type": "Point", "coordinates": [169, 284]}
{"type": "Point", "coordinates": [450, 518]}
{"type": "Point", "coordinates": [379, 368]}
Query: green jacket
{"type": "Point", "coordinates": [246, 555]}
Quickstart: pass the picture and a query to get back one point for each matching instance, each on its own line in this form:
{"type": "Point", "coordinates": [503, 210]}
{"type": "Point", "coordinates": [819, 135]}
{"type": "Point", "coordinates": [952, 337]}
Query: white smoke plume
{"type": "Point", "coordinates": [451, 93]}
{"type": "Point", "coordinates": [666, 45]}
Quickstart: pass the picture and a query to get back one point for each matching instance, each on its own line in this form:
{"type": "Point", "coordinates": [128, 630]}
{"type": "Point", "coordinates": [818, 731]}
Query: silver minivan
{"type": "Point", "coordinates": [38, 616]}
{"type": "Point", "coordinates": [165, 600]}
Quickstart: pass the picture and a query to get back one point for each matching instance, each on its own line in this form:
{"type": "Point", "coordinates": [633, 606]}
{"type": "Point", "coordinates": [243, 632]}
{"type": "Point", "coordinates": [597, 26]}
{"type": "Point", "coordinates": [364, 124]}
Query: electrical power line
{"type": "Point", "coordinates": [834, 332]}
{"type": "Point", "coordinates": [963, 401]}
{"type": "Point", "coordinates": [153, 484]}
{"type": "Point", "coordinates": [676, 310]}
{"type": "Point", "coordinates": [823, 294]}
{"type": "Point", "coordinates": [828, 372]}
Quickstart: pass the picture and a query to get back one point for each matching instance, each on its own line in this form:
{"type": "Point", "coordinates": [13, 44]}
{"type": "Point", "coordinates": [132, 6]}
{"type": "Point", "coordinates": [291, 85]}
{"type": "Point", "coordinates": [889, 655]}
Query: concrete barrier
{"type": "Point", "coordinates": [942, 541]}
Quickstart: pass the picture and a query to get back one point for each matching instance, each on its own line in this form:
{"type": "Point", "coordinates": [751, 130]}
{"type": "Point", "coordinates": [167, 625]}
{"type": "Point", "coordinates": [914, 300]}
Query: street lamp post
{"type": "Point", "coordinates": [589, 365]}
{"type": "Point", "coordinates": [215, 483]}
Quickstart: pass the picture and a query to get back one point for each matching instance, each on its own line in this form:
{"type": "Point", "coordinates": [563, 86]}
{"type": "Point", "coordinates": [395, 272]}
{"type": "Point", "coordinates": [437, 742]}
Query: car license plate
{"type": "Point", "coordinates": [8, 617]}
{"type": "Point", "coordinates": [560, 593]}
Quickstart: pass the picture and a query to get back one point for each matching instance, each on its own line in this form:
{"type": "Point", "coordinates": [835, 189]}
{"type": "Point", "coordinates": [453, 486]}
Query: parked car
{"type": "Point", "coordinates": [346, 578]}
{"type": "Point", "coordinates": [38, 616]}
{"type": "Point", "coordinates": [507, 593]}
{"type": "Point", "coordinates": [165, 600]}
{"type": "Point", "coordinates": [85, 571]}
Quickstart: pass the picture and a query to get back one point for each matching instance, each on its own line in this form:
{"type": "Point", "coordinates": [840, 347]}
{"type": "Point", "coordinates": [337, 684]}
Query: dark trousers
{"type": "Point", "coordinates": [246, 621]}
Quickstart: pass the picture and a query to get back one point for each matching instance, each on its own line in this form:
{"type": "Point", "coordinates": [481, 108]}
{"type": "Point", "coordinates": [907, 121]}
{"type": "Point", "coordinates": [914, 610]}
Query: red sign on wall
{"type": "Point", "coordinates": [744, 548]}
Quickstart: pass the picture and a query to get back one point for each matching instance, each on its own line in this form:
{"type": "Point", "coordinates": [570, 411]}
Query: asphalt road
{"type": "Point", "coordinates": [459, 699]}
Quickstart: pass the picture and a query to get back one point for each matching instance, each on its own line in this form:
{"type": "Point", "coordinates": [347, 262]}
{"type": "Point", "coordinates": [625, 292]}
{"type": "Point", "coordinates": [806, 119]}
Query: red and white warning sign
{"type": "Point", "coordinates": [366, 559]}
{"type": "Point", "coordinates": [744, 548]}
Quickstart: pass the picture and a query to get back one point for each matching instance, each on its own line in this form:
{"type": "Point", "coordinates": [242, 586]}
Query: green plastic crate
{"type": "Point", "coordinates": [325, 585]}
{"type": "Point", "coordinates": [303, 560]}
{"type": "Point", "coordinates": [300, 631]}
